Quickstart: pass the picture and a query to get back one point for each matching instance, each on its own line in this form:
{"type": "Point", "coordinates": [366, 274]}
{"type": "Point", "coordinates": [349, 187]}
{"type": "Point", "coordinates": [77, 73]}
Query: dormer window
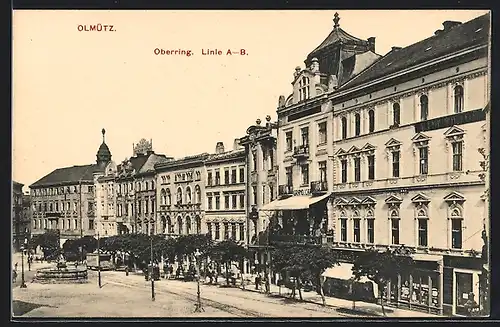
{"type": "Point", "coordinates": [304, 89]}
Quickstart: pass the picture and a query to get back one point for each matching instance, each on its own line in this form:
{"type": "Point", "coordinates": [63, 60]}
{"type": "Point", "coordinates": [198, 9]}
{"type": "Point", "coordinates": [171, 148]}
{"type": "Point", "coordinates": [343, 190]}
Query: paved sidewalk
{"type": "Point", "coordinates": [370, 309]}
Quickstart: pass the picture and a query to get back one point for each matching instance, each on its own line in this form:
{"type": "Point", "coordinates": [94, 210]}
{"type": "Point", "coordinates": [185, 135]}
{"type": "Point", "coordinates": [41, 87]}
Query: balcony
{"type": "Point", "coordinates": [285, 190]}
{"type": "Point", "coordinates": [297, 239]}
{"type": "Point", "coordinates": [319, 187]}
{"type": "Point", "coordinates": [301, 152]}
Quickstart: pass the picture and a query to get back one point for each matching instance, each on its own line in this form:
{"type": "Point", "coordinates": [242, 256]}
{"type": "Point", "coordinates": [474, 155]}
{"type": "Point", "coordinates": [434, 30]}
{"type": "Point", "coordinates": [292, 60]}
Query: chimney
{"type": "Point", "coordinates": [371, 43]}
{"type": "Point", "coordinates": [395, 48]}
{"type": "Point", "coordinates": [449, 24]}
{"type": "Point", "coordinates": [219, 148]}
{"type": "Point", "coordinates": [236, 144]}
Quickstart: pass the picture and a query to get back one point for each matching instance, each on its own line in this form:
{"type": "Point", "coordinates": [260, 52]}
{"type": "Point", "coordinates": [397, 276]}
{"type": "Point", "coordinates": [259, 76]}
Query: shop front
{"type": "Point", "coordinates": [420, 289]}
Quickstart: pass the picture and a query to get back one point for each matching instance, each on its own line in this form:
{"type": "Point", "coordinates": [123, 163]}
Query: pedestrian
{"type": "Point", "coordinates": [15, 267]}
{"type": "Point", "coordinates": [471, 305]}
{"type": "Point", "coordinates": [257, 282]}
{"type": "Point", "coordinates": [267, 285]}
{"type": "Point", "coordinates": [126, 270]}
{"type": "Point", "coordinates": [14, 276]}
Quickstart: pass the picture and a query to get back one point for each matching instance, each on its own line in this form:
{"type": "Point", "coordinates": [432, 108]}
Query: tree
{"type": "Point", "coordinates": [304, 262]}
{"type": "Point", "coordinates": [49, 242]}
{"type": "Point", "coordinates": [382, 267]}
{"type": "Point", "coordinates": [228, 252]}
{"type": "Point", "coordinates": [186, 245]}
{"type": "Point", "coordinates": [72, 248]}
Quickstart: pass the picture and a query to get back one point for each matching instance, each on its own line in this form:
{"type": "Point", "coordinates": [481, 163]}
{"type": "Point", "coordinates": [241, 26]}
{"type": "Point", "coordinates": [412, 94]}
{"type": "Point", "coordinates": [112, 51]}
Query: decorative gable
{"type": "Point", "coordinates": [420, 198]}
{"type": "Point", "coordinates": [421, 140]}
{"type": "Point", "coordinates": [354, 201]}
{"type": "Point", "coordinates": [393, 144]}
{"type": "Point", "coordinates": [454, 133]}
{"type": "Point", "coordinates": [368, 148]}
{"type": "Point", "coordinates": [393, 199]}
{"type": "Point", "coordinates": [454, 197]}
{"type": "Point", "coordinates": [369, 200]}
{"type": "Point", "coordinates": [340, 152]}
{"type": "Point", "coordinates": [341, 202]}
{"type": "Point", "coordinates": [353, 149]}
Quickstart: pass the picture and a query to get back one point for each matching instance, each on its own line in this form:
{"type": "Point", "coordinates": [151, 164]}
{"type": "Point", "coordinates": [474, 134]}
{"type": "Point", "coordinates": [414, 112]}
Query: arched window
{"type": "Point", "coordinates": [344, 127]}
{"type": "Point", "coordinates": [169, 197]}
{"type": "Point", "coordinates": [459, 99]}
{"type": "Point", "coordinates": [188, 194]}
{"type": "Point", "coordinates": [169, 225]}
{"type": "Point", "coordinates": [198, 225]}
{"type": "Point", "coordinates": [188, 225]}
{"type": "Point", "coordinates": [180, 226]}
{"type": "Point", "coordinates": [163, 197]}
{"type": "Point", "coordinates": [357, 124]}
{"type": "Point", "coordinates": [424, 107]}
{"type": "Point", "coordinates": [371, 121]}
{"type": "Point", "coordinates": [179, 196]}
{"type": "Point", "coordinates": [198, 193]}
{"type": "Point", "coordinates": [396, 114]}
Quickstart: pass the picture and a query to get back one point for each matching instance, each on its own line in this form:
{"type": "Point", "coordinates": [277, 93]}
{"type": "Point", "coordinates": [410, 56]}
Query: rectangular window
{"type": "Point", "coordinates": [456, 233]}
{"type": "Point", "coordinates": [254, 161]}
{"type": "Point", "coordinates": [226, 231]}
{"type": "Point", "coordinates": [226, 177]}
{"type": "Point", "coordinates": [57, 206]}
{"type": "Point", "coordinates": [343, 163]}
{"type": "Point", "coordinates": [271, 193]}
{"type": "Point", "coordinates": [263, 194]}
{"type": "Point", "coordinates": [233, 176]}
{"type": "Point", "coordinates": [304, 132]}
{"type": "Point", "coordinates": [371, 167]}
{"type": "Point", "coordinates": [424, 160]}
{"type": "Point", "coordinates": [343, 230]}
{"type": "Point", "coordinates": [422, 232]}
{"type": "Point", "coordinates": [395, 163]}
{"type": "Point", "coordinates": [226, 201]}
{"type": "Point", "coordinates": [322, 133]}
{"type": "Point", "coordinates": [271, 158]}
{"type": "Point", "coordinates": [91, 224]}
{"type": "Point", "coordinates": [233, 201]}
{"type": "Point", "coordinates": [217, 202]}
{"type": "Point", "coordinates": [288, 172]}
{"type": "Point", "coordinates": [233, 231]}
{"type": "Point", "coordinates": [322, 171]}
{"type": "Point", "coordinates": [254, 192]}
{"type": "Point", "coordinates": [242, 201]}
{"type": "Point", "coordinates": [217, 178]}
{"type": "Point", "coordinates": [209, 199]}
{"type": "Point", "coordinates": [357, 169]}
{"type": "Point", "coordinates": [305, 174]}
{"type": "Point", "coordinates": [242, 175]}
{"type": "Point", "coordinates": [209, 228]}
{"type": "Point", "coordinates": [457, 156]}
{"type": "Point", "coordinates": [209, 179]}
{"type": "Point", "coordinates": [370, 225]}
{"type": "Point", "coordinates": [356, 229]}
{"type": "Point", "coordinates": [395, 231]}
{"type": "Point", "coordinates": [242, 231]}
{"type": "Point", "coordinates": [289, 142]}
{"type": "Point", "coordinates": [217, 231]}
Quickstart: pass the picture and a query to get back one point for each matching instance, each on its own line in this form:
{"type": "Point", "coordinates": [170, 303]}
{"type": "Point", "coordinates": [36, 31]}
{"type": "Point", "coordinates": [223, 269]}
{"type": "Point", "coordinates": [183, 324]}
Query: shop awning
{"type": "Point", "coordinates": [344, 272]}
{"type": "Point", "coordinates": [294, 203]}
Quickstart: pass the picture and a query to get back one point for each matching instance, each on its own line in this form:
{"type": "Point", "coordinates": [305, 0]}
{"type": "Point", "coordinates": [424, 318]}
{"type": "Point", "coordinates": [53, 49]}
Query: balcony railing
{"type": "Point", "coordinates": [301, 152]}
{"type": "Point", "coordinates": [297, 239]}
{"type": "Point", "coordinates": [319, 186]}
{"type": "Point", "coordinates": [285, 190]}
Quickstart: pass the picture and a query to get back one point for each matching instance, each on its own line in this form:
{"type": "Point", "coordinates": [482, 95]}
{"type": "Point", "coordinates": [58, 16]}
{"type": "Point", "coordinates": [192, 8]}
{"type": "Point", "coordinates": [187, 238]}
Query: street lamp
{"type": "Point", "coordinates": [151, 275]}
{"type": "Point", "coordinates": [98, 262]}
{"type": "Point", "coordinates": [28, 253]}
{"type": "Point", "coordinates": [23, 284]}
{"type": "Point", "coordinates": [198, 307]}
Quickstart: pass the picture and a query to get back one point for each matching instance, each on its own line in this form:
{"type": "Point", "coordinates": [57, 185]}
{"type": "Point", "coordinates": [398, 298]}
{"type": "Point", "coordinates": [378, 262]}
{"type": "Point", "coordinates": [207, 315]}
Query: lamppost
{"type": "Point", "coordinates": [98, 261]}
{"type": "Point", "coordinates": [28, 253]}
{"type": "Point", "coordinates": [23, 284]}
{"type": "Point", "coordinates": [198, 307]}
{"type": "Point", "coordinates": [151, 275]}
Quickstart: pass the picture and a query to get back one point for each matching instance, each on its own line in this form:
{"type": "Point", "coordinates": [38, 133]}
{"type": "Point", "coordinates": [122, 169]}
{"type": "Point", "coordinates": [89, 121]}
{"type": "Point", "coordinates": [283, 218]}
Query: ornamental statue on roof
{"type": "Point", "coordinates": [143, 147]}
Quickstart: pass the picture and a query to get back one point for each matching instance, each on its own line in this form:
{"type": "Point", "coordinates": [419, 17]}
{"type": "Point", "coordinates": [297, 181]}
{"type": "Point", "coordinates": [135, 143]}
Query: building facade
{"type": "Point", "coordinates": [106, 220]}
{"type": "Point", "coordinates": [136, 190]}
{"type": "Point", "coordinates": [180, 188]}
{"type": "Point", "coordinates": [64, 200]}
{"type": "Point", "coordinates": [225, 194]}
{"type": "Point", "coordinates": [20, 216]}
{"type": "Point", "coordinates": [262, 184]}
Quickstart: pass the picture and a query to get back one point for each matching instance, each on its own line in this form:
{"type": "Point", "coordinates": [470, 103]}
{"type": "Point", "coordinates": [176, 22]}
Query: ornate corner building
{"type": "Point", "coordinates": [383, 151]}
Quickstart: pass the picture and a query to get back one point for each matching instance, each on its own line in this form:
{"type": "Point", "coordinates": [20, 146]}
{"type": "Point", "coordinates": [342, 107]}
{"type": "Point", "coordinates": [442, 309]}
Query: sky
{"type": "Point", "coordinates": [69, 84]}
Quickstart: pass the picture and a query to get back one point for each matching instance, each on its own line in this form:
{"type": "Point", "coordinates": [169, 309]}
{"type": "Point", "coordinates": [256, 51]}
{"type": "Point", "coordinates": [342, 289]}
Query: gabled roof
{"type": "Point", "coordinates": [337, 36]}
{"type": "Point", "coordinates": [149, 164]}
{"type": "Point", "coordinates": [68, 175]}
{"type": "Point", "coordinates": [472, 33]}
{"type": "Point", "coordinates": [226, 155]}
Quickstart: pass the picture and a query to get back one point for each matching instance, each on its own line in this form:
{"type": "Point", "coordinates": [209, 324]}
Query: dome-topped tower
{"type": "Point", "coordinates": [103, 154]}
